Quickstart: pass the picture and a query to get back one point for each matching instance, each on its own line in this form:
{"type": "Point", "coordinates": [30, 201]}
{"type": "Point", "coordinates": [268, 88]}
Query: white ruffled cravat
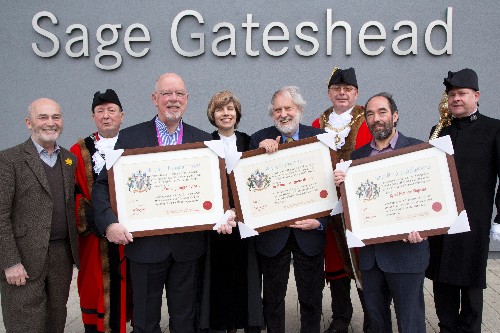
{"type": "Point", "coordinates": [339, 121]}
{"type": "Point", "coordinates": [101, 146]}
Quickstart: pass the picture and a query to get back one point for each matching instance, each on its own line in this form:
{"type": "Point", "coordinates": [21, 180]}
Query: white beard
{"type": "Point", "coordinates": [290, 127]}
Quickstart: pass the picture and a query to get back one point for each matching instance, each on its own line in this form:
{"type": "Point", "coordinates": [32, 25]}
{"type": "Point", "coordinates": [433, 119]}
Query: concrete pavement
{"type": "Point", "coordinates": [491, 314]}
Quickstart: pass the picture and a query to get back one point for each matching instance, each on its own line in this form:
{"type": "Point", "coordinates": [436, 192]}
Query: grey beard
{"type": "Point", "coordinates": [173, 117]}
{"type": "Point", "coordinates": [289, 128]}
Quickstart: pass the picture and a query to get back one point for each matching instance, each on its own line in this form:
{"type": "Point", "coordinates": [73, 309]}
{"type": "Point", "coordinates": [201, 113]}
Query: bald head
{"type": "Point", "coordinates": [42, 103]}
{"type": "Point", "coordinates": [170, 98]}
{"type": "Point", "coordinates": [45, 122]}
{"type": "Point", "coordinates": [169, 77]}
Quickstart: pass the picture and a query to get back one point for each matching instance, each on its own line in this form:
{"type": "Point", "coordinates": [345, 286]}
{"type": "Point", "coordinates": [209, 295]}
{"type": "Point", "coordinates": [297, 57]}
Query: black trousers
{"type": "Point", "coordinates": [342, 309]}
{"type": "Point", "coordinates": [309, 278]}
{"type": "Point", "coordinates": [459, 309]}
{"type": "Point", "coordinates": [182, 282]}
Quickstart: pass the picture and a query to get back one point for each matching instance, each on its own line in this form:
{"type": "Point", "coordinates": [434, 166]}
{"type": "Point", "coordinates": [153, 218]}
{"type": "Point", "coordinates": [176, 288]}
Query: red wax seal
{"type": "Point", "coordinates": [207, 205]}
{"type": "Point", "coordinates": [437, 206]}
{"type": "Point", "coordinates": [323, 194]}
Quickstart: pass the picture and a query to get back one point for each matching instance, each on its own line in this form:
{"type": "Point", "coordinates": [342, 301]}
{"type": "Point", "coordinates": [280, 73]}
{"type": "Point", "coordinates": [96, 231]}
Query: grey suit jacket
{"type": "Point", "coordinates": [393, 257]}
{"type": "Point", "coordinates": [26, 207]}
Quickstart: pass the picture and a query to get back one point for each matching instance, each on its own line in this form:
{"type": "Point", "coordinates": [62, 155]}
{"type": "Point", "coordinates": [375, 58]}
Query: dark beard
{"type": "Point", "coordinates": [381, 134]}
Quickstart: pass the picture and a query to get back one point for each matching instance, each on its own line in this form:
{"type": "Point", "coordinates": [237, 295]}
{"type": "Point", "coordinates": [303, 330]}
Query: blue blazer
{"type": "Point", "coordinates": [150, 249]}
{"type": "Point", "coordinates": [393, 257]}
{"type": "Point", "coordinates": [270, 243]}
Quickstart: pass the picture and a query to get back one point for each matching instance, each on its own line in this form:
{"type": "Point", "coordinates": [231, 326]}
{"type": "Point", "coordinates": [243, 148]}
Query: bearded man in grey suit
{"type": "Point", "coordinates": [38, 240]}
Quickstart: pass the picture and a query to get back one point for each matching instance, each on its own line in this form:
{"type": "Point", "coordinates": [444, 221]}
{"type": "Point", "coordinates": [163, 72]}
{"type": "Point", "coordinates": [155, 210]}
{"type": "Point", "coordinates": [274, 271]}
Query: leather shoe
{"type": "Point", "coordinates": [331, 329]}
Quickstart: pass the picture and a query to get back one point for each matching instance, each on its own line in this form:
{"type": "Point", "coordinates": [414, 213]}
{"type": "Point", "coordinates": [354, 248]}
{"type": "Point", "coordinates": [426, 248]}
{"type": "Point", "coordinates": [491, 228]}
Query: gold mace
{"type": "Point", "coordinates": [444, 116]}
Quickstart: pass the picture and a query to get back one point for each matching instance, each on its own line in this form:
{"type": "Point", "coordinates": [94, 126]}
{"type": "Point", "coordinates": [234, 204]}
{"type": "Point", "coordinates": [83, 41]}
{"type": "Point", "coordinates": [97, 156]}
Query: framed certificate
{"type": "Point", "coordinates": [171, 189]}
{"type": "Point", "coordinates": [386, 196]}
{"type": "Point", "coordinates": [275, 190]}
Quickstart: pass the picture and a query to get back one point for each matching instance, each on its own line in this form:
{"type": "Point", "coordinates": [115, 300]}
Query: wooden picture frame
{"type": "Point", "coordinates": [271, 191]}
{"type": "Point", "coordinates": [170, 189]}
{"type": "Point", "coordinates": [388, 195]}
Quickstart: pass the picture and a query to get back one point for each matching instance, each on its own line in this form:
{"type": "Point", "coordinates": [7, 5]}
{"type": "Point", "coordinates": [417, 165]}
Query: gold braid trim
{"type": "Point", "coordinates": [333, 72]}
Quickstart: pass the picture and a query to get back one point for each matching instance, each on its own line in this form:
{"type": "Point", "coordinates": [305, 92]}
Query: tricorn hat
{"type": "Point", "coordinates": [465, 78]}
{"type": "Point", "coordinates": [346, 76]}
{"type": "Point", "coordinates": [109, 96]}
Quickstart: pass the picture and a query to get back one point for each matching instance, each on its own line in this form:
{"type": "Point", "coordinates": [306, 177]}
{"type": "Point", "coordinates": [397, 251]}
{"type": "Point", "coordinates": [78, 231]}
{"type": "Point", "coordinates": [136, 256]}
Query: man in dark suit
{"type": "Point", "coordinates": [173, 262]}
{"type": "Point", "coordinates": [38, 241]}
{"type": "Point", "coordinates": [305, 239]}
{"type": "Point", "coordinates": [393, 270]}
{"type": "Point", "coordinates": [458, 262]}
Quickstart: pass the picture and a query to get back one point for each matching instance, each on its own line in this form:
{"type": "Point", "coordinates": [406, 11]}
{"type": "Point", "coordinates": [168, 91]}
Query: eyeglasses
{"type": "Point", "coordinates": [339, 88]}
{"type": "Point", "coordinates": [170, 94]}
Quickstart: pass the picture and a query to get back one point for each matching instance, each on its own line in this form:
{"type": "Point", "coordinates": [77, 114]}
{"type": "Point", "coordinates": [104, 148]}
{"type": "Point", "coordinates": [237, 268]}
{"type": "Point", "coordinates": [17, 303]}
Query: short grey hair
{"type": "Point", "coordinates": [294, 93]}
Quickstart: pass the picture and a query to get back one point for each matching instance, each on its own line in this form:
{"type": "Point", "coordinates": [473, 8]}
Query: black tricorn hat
{"type": "Point", "coordinates": [465, 78]}
{"type": "Point", "coordinates": [109, 96]}
{"type": "Point", "coordinates": [346, 76]}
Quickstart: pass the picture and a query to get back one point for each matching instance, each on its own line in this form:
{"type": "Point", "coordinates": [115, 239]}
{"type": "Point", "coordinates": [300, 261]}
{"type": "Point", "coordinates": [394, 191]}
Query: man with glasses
{"type": "Point", "coordinates": [170, 262]}
{"type": "Point", "coordinates": [346, 120]}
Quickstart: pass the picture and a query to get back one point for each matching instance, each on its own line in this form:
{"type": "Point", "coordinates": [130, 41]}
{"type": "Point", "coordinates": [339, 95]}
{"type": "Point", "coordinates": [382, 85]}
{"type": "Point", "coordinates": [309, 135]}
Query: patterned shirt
{"type": "Point", "coordinates": [164, 136]}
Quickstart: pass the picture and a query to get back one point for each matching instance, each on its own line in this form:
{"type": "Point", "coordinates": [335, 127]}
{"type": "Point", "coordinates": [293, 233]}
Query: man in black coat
{"type": "Point", "coordinates": [170, 262]}
{"type": "Point", "coordinates": [305, 239]}
{"type": "Point", "coordinates": [393, 270]}
{"type": "Point", "coordinates": [458, 262]}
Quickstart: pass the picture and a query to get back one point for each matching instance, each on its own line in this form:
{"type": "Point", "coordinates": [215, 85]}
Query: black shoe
{"type": "Point", "coordinates": [331, 329]}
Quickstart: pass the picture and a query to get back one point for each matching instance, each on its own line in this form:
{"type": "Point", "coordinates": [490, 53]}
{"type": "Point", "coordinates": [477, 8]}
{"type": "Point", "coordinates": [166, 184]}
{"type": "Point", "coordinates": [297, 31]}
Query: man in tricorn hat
{"type": "Point", "coordinates": [101, 279]}
{"type": "Point", "coordinates": [346, 120]}
{"type": "Point", "coordinates": [458, 262]}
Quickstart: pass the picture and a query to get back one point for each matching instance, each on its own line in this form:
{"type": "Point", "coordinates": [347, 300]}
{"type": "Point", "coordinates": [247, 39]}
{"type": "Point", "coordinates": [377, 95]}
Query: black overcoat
{"type": "Point", "coordinates": [460, 259]}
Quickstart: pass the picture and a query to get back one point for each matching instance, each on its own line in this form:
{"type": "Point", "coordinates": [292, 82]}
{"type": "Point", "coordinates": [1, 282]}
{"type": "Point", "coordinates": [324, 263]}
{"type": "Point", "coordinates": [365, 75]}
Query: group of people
{"type": "Point", "coordinates": [215, 281]}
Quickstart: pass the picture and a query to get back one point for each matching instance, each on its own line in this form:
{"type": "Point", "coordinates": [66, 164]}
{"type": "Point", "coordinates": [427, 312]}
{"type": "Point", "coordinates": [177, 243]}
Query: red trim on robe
{"type": "Point", "coordinates": [94, 299]}
{"type": "Point", "coordinates": [334, 264]}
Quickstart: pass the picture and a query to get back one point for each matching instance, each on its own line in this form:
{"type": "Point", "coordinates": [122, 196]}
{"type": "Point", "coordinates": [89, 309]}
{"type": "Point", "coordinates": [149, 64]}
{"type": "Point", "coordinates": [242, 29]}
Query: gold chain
{"type": "Point", "coordinates": [339, 129]}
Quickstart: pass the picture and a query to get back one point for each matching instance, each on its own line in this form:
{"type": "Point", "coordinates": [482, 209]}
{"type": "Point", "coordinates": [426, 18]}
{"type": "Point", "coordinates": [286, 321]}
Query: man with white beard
{"type": "Point", "coordinates": [305, 239]}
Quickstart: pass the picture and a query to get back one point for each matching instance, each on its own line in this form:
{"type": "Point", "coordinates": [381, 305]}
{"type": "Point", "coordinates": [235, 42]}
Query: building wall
{"type": "Point", "coordinates": [469, 40]}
